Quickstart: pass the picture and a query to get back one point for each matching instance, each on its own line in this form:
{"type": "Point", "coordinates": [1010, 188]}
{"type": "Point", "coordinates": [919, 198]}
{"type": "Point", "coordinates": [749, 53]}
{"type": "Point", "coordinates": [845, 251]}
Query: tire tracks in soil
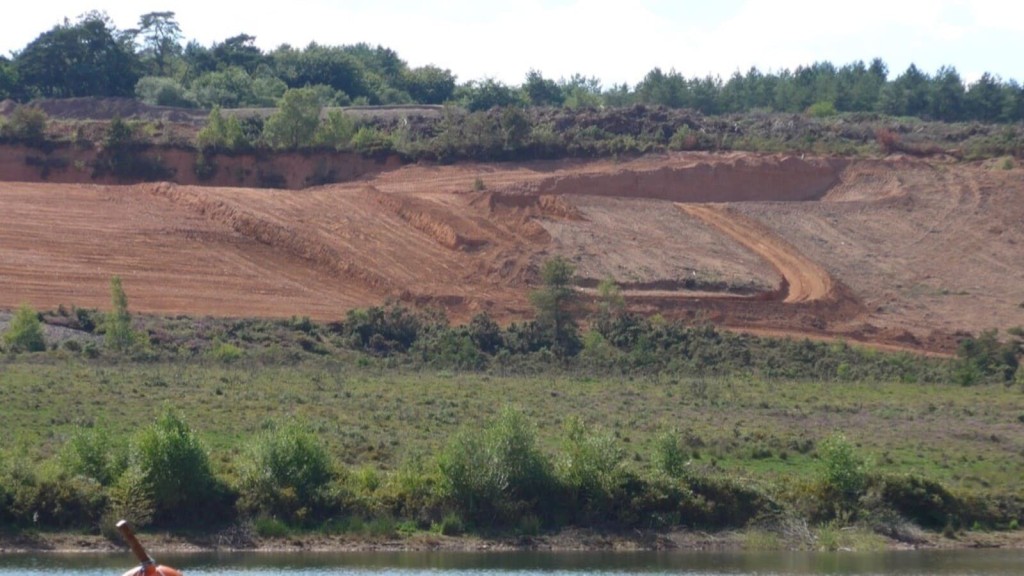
{"type": "Point", "coordinates": [804, 281]}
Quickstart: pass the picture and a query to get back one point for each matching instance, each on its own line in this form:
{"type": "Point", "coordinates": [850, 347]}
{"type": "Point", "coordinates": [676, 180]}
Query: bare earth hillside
{"type": "Point", "coordinates": [893, 251]}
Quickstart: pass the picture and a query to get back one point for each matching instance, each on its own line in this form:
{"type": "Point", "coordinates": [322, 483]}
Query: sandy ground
{"type": "Point", "coordinates": [895, 251]}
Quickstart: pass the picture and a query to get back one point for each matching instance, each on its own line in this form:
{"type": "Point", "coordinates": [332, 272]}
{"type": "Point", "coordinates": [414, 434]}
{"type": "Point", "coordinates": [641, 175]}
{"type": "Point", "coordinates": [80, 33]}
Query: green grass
{"type": "Point", "coordinates": [968, 438]}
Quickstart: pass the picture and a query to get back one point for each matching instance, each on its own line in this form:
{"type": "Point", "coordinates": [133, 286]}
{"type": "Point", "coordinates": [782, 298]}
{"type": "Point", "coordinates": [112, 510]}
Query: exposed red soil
{"type": "Point", "coordinates": [895, 251]}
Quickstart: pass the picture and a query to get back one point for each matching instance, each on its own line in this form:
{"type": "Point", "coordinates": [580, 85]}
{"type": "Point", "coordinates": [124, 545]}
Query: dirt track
{"type": "Point", "coordinates": [805, 281]}
{"type": "Point", "coordinates": [896, 251]}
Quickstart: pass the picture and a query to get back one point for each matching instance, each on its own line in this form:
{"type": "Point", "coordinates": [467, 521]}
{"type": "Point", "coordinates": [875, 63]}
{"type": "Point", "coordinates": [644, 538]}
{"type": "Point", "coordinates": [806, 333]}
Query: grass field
{"type": "Point", "coordinates": [970, 438]}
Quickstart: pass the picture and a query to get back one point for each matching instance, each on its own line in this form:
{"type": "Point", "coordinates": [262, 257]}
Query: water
{"type": "Point", "coordinates": [940, 563]}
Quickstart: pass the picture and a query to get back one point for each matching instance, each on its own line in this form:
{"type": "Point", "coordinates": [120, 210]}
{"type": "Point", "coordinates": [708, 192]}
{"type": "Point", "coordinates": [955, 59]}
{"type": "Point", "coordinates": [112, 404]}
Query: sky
{"type": "Point", "coordinates": [614, 40]}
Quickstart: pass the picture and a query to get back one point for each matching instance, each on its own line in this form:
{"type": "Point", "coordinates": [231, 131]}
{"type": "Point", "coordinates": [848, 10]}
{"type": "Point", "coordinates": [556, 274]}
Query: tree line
{"type": "Point", "coordinates": [92, 57]}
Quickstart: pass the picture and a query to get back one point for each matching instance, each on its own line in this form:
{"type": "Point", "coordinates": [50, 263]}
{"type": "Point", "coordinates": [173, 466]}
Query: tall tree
{"type": "Point", "coordinates": [946, 97]}
{"type": "Point", "coordinates": [985, 99]}
{"type": "Point", "coordinates": [295, 122]}
{"type": "Point", "coordinates": [541, 91]}
{"type": "Point", "coordinates": [429, 84]}
{"type": "Point", "coordinates": [87, 58]}
{"type": "Point", "coordinates": [118, 325]}
{"type": "Point", "coordinates": [907, 95]}
{"type": "Point", "coordinates": [161, 41]}
{"type": "Point", "coordinates": [555, 304]}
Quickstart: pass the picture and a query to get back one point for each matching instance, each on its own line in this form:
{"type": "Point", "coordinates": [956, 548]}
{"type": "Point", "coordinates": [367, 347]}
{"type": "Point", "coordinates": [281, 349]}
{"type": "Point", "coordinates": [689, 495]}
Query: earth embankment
{"type": "Point", "coordinates": [887, 250]}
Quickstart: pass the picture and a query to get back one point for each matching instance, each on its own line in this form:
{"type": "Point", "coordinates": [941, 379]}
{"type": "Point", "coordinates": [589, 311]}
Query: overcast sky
{"type": "Point", "coordinates": [616, 41]}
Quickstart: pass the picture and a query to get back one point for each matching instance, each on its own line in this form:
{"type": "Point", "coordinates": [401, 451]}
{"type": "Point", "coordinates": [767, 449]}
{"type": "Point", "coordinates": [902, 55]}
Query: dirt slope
{"type": "Point", "coordinates": [898, 251]}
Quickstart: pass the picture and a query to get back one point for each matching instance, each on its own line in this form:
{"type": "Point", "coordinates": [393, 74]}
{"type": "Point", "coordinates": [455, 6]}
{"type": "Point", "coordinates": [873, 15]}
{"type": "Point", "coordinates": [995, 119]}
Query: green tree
{"type": "Point", "coordinates": [221, 133]}
{"type": "Point", "coordinates": [984, 99]}
{"type": "Point", "coordinates": [946, 98]}
{"type": "Point", "coordinates": [82, 59]}
{"type": "Point", "coordinates": [25, 334]}
{"type": "Point", "coordinates": [541, 91]}
{"type": "Point", "coordinates": [336, 131]}
{"type": "Point", "coordinates": [907, 95]}
{"type": "Point", "coordinates": [610, 305]}
{"type": "Point", "coordinates": [328, 65]}
{"type": "Point", "coordinates": [118, 324]}
{"type": "Point", "coordinates": [161, 41]}
{"type": "Point", "coordinates": [229, 88]}
{"type": "Point", "coordinates": [488, 93]}
{"type": "Point", "coordinates": [9, 85]}
{"type": "Point", "coordinates": [555, 305]}
{"type": "Point", "coordinates": [295, 122]}
{"type": "Point", "coordinates": [429, 84]}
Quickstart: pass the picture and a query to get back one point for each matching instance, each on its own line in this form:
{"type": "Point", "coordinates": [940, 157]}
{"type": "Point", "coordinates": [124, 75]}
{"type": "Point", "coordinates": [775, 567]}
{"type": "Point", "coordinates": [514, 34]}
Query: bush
{"type": "Point", "coordinates": [499, 475]}
{"type": "Point", "coordinates": [225, 352]}
{"type": "Point", "coordinates": [175, 470]}
{"type": "Point", "coordinates": [26, 124]}
{"type": "Point", "coordinates": [336, 131]}
{"type": "Point", "coordinates": [922, 501]}
{"type": "Point", "coordinates": [95, 454]}
{"type": "Point", "coordinates": [286, 472]}
{"type": "Point", "coordinates": [670, 456]}
{"type": "Point", "coordinates": [822, 109]}
{"type": "Point", "coordinates": [221, 133]}
{"type": "Point", "coordinates": [25, 333]}
{"type": "Point", "coordinates": [844, 472]}
{"type": "Point", "coordinates": [382, 331]}
{"type": "Point", "coordinates": [162, 91]}
{"type": "Point", "coordinates": [590, 466]}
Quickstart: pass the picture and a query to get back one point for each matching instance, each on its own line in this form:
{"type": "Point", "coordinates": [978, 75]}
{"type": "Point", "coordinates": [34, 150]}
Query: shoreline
{"type": "Point", "coordinates": [570, 540]}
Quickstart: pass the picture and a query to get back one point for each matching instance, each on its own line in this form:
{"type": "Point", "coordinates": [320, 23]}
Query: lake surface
{"type": "Point", "coordinates": [943, 563]}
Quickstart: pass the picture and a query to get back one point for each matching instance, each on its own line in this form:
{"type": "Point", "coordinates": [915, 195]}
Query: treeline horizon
{"type": "Point", "coordinates": [91, 57]}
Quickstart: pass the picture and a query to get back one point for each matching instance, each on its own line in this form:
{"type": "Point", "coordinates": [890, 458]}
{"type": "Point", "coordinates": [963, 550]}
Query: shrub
{"type": "Point", "coordinates": [162, 91]}
{"type": "Point", "coordinates": [25, 334]}
{"type": "Point", "coordinates": [381, 330]}
{"type": "Point", "coordinates": [670, 456]}
{"type": "Point", "coordinates": [369, 141]}
{"type": "Point", "coordinates": [497, 475]}
{"type": "Point", "coordinates": [130, 498]}
{"type": "Point", "coordinates": [843, 472]}
{"type": "Point", "coordinates": [286, 472]}
{"type": "Point", "coordinates": [590, 465]}
{"type": "Point", "coordinates": [225, 352]}
{"type": "Point", "coordinates": [95, 454]}
{"type": "Point", "coordinates": [122, 155]}
{"type": "Point", "coordinates": [822, 109]}
{"type": "Point", "coordinates": [986, 357]}
{"type": "Point", "coordinates": [221, 133]}
{"type": "Point", "coordinates": [336, 131]}
{"type": "Point", "coordinates": [175, 470]}
{"type": "Point", "coordinates": [26, 124]}
{"type": "Point", "coordinates": [923, 501]}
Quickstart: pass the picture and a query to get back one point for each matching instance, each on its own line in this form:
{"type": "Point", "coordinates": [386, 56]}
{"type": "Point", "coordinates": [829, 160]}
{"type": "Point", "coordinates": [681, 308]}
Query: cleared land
{"type": "Point", "coordinates": [893, 251]}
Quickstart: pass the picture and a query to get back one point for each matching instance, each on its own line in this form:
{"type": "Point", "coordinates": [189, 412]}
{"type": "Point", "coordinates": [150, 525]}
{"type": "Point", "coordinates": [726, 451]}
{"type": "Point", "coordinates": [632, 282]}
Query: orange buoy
{"type": "Point", "coordinates": [149, 567]}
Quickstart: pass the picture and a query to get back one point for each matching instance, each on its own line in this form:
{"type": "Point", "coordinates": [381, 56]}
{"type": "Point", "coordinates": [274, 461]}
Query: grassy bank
{"type": "Point", "coordinates": [747, 451]}
{"type": "Point", "coordinates": [393, 422]}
